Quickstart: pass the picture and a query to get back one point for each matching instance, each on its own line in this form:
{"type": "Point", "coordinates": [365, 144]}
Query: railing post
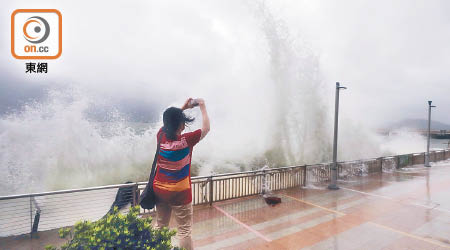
{"type": "Point", "coordinates": [211, 190]}
{"type": "Point", "coordinates": [264, 182]}
{"type": "Point", "coordinates": [304, 176]}
{"type": "Point", "coordinates": [381, 163]}
{"type": "Point", "coordinates": [134, 193]}
{"type": "Point", "coordinates": [37, 216]}
{"type": "Point", "coordinates": [31, 219]}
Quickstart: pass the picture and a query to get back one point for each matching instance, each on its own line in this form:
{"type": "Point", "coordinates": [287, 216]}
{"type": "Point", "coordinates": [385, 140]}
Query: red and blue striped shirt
{"type": "Point", "coordinates": [172, 182]}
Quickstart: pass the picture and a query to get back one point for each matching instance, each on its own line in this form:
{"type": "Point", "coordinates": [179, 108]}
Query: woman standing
{"type": "Point", "coordinates": [172, 183]}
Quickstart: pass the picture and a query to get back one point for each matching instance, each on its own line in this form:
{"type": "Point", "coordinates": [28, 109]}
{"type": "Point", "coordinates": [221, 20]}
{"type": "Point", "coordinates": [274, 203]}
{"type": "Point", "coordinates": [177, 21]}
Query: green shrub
{"type": "Point", "coordinates": [117, 231]}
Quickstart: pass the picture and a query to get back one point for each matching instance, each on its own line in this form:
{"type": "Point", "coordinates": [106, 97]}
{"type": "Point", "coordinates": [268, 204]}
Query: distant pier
{"type": "Point", "coordinates": [435, 134]}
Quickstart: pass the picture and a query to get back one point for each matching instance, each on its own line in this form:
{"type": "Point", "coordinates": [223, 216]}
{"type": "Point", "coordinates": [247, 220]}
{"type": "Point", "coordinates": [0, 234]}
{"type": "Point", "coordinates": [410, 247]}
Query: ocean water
{"type": "Point", "coordinates": [440, 144]}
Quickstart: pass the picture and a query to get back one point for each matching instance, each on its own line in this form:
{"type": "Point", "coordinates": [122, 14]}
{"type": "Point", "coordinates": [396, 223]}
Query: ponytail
{"type": "Point", "coordinates": [171, 133]}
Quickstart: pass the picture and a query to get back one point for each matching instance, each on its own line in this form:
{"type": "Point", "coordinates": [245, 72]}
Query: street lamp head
{"type": "Point", "coordinates": [338, 86]}
{"type": "Point", "coordinates": [429, 102]}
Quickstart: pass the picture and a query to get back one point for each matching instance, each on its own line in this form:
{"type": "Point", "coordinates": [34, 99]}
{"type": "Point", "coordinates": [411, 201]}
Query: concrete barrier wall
{"type": "Point", "coordinates": [418, 159]}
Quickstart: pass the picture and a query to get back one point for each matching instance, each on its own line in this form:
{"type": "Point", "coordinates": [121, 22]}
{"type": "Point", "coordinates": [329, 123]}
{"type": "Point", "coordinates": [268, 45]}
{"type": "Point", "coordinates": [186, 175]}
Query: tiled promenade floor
{"type": "Point", "coordinates": [408, 209]}
{"type": "Point", "coordinates": [405, 209]}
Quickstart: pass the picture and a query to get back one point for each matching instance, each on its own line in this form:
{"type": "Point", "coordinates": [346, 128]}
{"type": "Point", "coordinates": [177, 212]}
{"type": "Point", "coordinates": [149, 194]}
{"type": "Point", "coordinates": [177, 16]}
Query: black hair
{"type": "Point", "coordinates": [172, 119]}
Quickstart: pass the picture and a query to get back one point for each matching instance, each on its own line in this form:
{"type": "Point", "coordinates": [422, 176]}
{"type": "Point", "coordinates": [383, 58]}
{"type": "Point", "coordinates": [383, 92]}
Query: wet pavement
{"type": "Point", "coordinates": [404, 209]}
{"type": "Point", "coordinates": [401, 209]}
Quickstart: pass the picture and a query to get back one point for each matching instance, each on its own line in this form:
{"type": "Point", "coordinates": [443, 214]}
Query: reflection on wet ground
{"type": "Point", "coordinates": [405, 209]}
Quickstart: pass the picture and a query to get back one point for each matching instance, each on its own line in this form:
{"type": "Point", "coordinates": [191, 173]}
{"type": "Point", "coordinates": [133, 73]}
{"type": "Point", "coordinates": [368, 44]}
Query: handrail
{"type": "Point", "coordinates": [201, 177]}
{"type": "Point", "coordinates": [7, 197]}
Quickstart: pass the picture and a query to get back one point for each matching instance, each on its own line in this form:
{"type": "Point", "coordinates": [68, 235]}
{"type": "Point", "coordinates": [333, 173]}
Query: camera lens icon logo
{"type": "Point", "coordinates": [36, 29]}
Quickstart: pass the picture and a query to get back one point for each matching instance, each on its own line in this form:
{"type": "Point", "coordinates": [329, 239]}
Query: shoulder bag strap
{"type": "Point", "coordinates": [152, 173]}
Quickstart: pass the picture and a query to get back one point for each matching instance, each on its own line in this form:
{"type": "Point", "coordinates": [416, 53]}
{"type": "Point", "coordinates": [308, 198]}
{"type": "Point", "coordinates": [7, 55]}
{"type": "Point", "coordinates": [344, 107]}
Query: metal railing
{"type": "Point", "coordinates": [209, 189]}
{"type": "Point", "coordinates": [30, 213]}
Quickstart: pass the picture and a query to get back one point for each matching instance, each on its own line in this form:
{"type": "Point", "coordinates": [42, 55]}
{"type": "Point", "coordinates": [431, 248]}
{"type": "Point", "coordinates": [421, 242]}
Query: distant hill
{"type": "Point", "coordinates": [419, 124]}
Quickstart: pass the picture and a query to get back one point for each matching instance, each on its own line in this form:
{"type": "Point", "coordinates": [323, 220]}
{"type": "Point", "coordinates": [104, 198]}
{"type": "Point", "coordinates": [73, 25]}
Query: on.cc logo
{"type": "Point", "coordinates": [39, 29]}
{"type": "Point", "coordinates": [36, 34]}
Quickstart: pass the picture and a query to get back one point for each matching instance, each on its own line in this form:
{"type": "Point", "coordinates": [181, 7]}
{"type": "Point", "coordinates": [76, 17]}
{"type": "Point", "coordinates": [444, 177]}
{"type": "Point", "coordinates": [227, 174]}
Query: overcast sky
{"type": "Point", "coordinates": [392, 55]}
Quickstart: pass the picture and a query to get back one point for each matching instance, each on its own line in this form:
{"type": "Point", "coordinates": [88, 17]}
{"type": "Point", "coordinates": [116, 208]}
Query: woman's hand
{"type": "Point", "coordinates": [200, 102]}
{"type": "Point", "coordinates": [187, 104]}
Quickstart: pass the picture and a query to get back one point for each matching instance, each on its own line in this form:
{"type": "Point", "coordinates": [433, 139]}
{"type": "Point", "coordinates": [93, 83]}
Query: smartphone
{"type": "Point", "coordinates": [193, 102]}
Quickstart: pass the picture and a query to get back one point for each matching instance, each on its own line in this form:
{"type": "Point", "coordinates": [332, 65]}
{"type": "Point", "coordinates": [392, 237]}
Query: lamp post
{"type": "Point", "coordinates": [334, 174]}
{"type": "Point", "coordinates": [427, 155]}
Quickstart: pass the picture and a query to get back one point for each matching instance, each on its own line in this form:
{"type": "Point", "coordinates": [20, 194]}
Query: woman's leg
{"type": "Point", "coordinates": [163, 212]}
{"type": "Point", "coordinates": [183, 215]}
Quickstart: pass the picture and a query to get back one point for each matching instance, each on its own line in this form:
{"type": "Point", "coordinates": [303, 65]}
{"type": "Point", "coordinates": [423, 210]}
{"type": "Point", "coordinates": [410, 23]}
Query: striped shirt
{"type": "Point", "coordinates": [172, 182]}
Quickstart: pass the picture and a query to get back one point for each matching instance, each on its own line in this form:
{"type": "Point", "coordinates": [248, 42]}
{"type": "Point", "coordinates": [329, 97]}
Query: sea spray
{"type": "Point", "coordinates": [263, 87]}
{"type": "Point", "coordinates": [53, 145]}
